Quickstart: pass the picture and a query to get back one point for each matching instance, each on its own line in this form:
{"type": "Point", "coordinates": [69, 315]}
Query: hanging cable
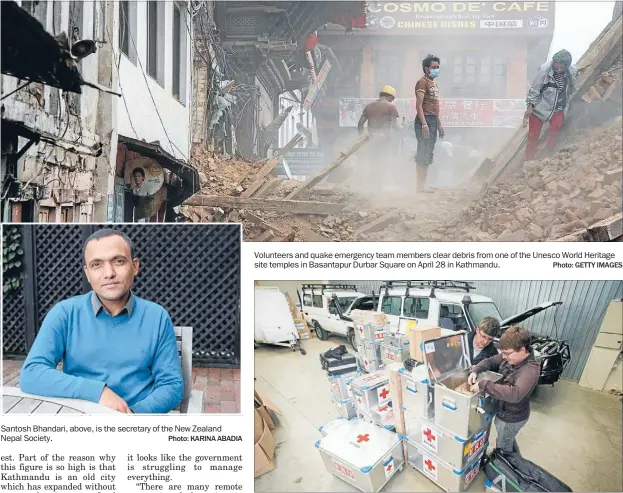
{"type": "Point", "coordinates": [18, 89]}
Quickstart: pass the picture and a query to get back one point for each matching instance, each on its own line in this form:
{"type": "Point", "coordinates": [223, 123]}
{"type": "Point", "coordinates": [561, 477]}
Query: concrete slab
{"type": "Point", "coordinates": [574, 433]}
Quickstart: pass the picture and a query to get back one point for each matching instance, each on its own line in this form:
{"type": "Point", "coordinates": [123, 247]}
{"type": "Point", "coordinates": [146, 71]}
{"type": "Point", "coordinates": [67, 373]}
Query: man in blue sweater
{"type": "Point", "coordinates": [118, 350]}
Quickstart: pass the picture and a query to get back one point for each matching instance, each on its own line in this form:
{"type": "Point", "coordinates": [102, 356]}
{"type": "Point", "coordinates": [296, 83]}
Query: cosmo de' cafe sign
{"type": "Point", "coordinates": [399, 18]}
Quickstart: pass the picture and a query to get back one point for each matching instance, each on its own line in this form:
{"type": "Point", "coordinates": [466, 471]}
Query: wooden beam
{"type": "Point", "coordinates": [268, 187]}
{"type": "Point", "coordinates": [318, 177]}
{"type": "Point", "coordinates": [267, 235]}
{"type": "Point", "coordinates": [607, 230]}
{"type": "Point", "coordinates": [379, 223]}
{"type": "Point", "coordinates": [258, 179]}
{"type": "Point", "coordinates": [285, 206]}
{"type": "Point", "coordinates": [258, 221]}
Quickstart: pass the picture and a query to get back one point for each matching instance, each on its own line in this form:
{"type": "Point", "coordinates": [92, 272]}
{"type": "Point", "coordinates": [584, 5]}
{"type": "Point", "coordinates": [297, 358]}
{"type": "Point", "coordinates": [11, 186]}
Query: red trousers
{"type": "Point", "coordinates": [534, 130]}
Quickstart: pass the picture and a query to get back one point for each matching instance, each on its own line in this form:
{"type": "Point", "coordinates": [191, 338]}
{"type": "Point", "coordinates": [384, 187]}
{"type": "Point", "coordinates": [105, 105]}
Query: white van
{"type": "Point", "coordinates": [445, 304]}
{"type": "Point", "coordinates": [326, 308]}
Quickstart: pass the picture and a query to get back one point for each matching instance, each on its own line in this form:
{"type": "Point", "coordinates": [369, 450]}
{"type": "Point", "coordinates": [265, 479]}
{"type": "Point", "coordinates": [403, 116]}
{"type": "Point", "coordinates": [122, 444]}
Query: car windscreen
{"type": "Point", "coordinates": [478, 311]}
{"type": "Point", "coordinates": [345, 302]}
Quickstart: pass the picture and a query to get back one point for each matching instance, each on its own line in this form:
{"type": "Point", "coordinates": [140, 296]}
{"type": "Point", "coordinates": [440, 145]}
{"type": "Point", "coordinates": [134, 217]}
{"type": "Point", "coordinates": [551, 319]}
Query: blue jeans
{"type": "Point", "coordinates": [506, 435]}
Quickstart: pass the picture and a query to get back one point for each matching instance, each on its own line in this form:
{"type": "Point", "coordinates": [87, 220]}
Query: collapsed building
{"type": "Point", "coordinates": [573, 194]}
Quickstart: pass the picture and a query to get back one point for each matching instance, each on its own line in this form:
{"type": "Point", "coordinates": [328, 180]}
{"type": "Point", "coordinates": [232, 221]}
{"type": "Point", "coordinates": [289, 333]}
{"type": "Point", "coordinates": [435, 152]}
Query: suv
{"type": "Point", "coordinates": [451, 305]}
{"type": "Point", "coordinates": [326, 307]}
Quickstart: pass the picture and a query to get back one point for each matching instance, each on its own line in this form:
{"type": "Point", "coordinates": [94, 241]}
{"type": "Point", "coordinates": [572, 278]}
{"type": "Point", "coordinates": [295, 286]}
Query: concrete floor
{"type": "Point", "coordinates": [574, 433]}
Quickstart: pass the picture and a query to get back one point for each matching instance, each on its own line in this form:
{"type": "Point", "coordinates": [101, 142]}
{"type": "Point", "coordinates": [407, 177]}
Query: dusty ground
{"type": "Point", "coordinates": [544, 200]}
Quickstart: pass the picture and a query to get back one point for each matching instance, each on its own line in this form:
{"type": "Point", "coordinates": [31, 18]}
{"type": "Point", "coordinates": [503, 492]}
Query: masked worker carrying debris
{"type": "Point", "coordinates": [427, 122]}
{"type": "Point", "coordinates": [382, 117]}
{"type": "Point", "coordinates": [548, 100]}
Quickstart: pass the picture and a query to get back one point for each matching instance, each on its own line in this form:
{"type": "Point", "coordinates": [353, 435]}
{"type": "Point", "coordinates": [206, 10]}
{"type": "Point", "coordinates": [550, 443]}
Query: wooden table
{"type": "Point", "coordinates": [14, 401]}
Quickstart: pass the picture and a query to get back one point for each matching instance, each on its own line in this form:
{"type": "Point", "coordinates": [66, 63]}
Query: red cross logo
{"type": "Point", "coordinates": [360, 329]}
{"type": "Point", "coordinates": [384, 393]}
{"type": "Point", "coordinates": [365, 362]}
{"type": "Point", "coordinates": [429, 435]}
{"type": "Point", "coordinates": [430, 465]}
{"type": "Point", "coordinates": [359, 400]}
{"type": "Point", "coordinates": [389, 468]}
{"type": "Point", "coordinates": [363, 438]}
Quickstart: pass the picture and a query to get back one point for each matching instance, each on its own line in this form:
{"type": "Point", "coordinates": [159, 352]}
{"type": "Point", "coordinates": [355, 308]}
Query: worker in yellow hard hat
{"type": "Point", "coordinates": [382, 117]}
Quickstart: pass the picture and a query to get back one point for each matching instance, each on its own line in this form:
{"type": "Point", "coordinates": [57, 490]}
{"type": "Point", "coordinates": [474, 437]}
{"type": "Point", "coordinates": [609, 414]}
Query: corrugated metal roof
{"type": "Point", "coordinates": [577, 320]}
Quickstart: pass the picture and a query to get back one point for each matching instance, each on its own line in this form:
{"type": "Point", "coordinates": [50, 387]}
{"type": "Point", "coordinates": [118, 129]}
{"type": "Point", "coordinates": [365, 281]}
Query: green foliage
{"type": "Point", "coordinates": [12, 259]}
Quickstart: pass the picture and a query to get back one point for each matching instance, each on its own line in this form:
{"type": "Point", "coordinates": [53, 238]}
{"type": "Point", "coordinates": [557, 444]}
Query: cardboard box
{"type": "Point", "coordinates": [368, 317]}
{"type": "Point", "coordinates": [263, 406]}
{"type": "Point", "coordinates": [417, 336]}
{"type": "Point", "coordinates": [395, 386]}
{"type": "Point", "coordinates": [264, 448]}
{"type": "Point", "coordinates": [304, 334]}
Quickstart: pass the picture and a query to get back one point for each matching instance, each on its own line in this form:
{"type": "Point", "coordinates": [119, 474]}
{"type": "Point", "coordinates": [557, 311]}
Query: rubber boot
{"type": "Point", "coordinates": [422, 173]}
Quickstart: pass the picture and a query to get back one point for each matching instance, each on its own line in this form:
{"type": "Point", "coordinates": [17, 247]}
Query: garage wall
{"type": "Point", "coordinates": [289, 287]}
{"type": "Point", "coordinates": [577, 321]}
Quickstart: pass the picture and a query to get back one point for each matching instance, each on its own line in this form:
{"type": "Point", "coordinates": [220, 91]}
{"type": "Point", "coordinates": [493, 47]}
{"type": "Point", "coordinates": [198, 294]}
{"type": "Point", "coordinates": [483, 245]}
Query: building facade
{"type": "Point", "coordinates": [154, 67]}
{"type": "Point", "coordinates": [122, 153]}
{"type": "Point", "coordinates": [55, 143]}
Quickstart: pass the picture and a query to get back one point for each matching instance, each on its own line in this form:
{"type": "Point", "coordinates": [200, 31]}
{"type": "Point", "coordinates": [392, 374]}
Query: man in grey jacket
{"type": "Point", "coordinates": [520, 371]}
{"type": "Point", "coordinates": [548, 100]}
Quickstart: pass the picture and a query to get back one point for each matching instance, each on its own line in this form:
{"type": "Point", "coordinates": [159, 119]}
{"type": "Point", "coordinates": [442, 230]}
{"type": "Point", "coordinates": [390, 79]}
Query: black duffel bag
{"type": "Point", "coordinates": [511, 472]}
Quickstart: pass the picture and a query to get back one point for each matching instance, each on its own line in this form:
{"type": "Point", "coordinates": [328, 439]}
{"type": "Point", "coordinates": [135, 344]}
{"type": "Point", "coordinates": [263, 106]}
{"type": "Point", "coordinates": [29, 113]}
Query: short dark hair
{"type": "Point", "coordinates": [140, 171]}
{"type": "Point", "coordinates": [428, 60]}
{"type": "Point", "coordinates": [490, 326]}
{"type": "Point", "coordinates": [515, 338]}
{"type": "Point", "coordinates": [105, 233]}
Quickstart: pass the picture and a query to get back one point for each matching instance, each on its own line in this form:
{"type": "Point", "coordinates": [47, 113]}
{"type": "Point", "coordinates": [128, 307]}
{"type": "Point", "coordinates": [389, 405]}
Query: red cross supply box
{"type": "Point", "coordinates": [369, 332]}
{"type": "Point", "coordinates": [457, 409]}
{"type": "Point", "coordinates": [393, 354]}
{"type": "Point", "coordinates": [362, 454]}
{"type": "Point", "coordinates": [340, 385]}
{"type": "Point", "coordinates": [371, 391]}
{"type": "Point", "coordinates": [449, 448]}
{"type": "Point", "coordinates": [332, 425]}
{"type": "Point", "coordinates": [370, 349]}
{"type": "Point", "coordinates": [440, 472]}
{"type": "Point", "coordinates": [418, 397]}
{"type": "Point", "coordinates": [369, 365]}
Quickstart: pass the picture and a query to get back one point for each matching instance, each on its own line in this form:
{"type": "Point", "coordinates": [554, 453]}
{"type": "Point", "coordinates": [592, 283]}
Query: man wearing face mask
{"type": "Point", "coordinates": [427, 122]}
{"type": "Point", "coordinates": [548, 100]}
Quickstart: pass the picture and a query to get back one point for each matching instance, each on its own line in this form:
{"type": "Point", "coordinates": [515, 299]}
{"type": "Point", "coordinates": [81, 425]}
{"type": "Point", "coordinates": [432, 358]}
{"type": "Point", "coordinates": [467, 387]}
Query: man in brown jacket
{"type": "Point", "coordinates": [520, 371]}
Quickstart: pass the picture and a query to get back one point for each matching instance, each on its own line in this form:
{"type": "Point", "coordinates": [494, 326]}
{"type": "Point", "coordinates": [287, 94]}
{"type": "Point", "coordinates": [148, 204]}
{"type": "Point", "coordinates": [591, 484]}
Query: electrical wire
{"type": "Point", "coordinates": [18, 89]}
{"type": "Point", "coordinates": [117, 64]}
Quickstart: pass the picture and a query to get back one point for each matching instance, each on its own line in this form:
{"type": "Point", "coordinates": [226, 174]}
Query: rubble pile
{"type": "Point", "coordinates": [547, 199]}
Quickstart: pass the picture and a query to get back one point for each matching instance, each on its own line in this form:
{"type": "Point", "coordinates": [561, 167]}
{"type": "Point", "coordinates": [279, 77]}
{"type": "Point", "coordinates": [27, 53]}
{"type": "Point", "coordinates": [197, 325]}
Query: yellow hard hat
{"type": "Point", "coordinates": [389, 90]}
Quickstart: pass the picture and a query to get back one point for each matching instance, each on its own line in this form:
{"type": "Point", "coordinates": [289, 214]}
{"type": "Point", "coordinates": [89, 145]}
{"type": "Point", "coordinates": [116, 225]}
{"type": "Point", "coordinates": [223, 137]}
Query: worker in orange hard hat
{"type": "Point", "coordinates": [382, 117]}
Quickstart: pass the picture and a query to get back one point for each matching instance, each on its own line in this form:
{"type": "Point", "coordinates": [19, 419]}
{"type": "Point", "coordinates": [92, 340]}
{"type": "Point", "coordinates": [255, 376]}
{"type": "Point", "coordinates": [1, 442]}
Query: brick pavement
{"type": "Point", "coordinates": [220, 387]}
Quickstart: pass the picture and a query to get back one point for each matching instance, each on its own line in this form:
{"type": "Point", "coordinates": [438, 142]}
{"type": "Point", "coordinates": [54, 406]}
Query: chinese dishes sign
{"type": "Point", "coordinates": [500, 113]}
{"type": "Point", "coordinates": [408, 17]}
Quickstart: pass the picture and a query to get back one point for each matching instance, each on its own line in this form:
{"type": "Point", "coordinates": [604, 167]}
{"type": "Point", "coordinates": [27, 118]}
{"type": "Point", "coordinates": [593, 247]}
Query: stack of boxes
{"type": "Point", "coordinates": [369, 337]}
{"type": "Point", "coordinates": [446, 428]}
{"type": "Point", "coordinates": [342, 395]}
{"type": "Point", "coordinates": [340, 372]}
{"type": "Point", "coordinates": [440, 426]}
{"type": "Point", "coordinates": [364, 452]}
{"type": "Point", "coordinates": [373, 399]}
